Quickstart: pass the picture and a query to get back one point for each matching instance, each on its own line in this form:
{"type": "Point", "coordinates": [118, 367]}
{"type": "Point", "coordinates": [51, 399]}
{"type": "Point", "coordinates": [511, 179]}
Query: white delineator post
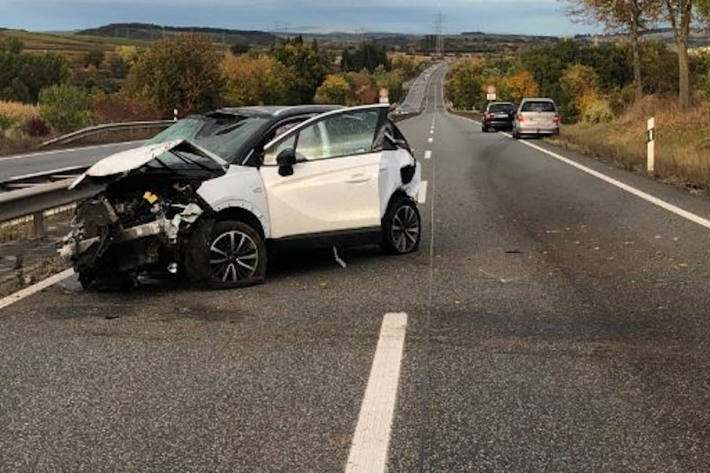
{"type": "Point", "coordinates": [651, 145]}
{"type": "Point", "coordinates": [175, 114]}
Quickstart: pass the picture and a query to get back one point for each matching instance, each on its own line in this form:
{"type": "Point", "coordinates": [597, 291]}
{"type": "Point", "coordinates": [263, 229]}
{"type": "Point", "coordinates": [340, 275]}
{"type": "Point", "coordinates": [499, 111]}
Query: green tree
{"type": "Point", "coordinates": [368, 55]}
{"type": "Point", "coordinates": [310, 68]}
{"type": "Point", "coordinates": [464, 85]}
{"type": "Point", "coordinates": [182, 72]}
{"type": "Point", "coordinates": [94, 57]}
{"type": "Point", "coordinates": [630, 17]}
{"type": "Point", "coordinates": [64, 107]}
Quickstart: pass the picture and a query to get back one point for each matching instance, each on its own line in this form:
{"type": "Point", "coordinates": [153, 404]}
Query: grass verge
{"type": "Point", "coordinates": [682, 141]}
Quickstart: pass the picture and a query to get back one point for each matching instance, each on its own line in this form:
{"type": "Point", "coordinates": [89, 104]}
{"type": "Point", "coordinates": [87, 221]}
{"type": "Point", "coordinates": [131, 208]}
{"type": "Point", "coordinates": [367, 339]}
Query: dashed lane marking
{"type": "Point", "coordinates": [427, 154]}
{"type": "Point", "coordinates": [368, 451]}
{"type": "Point", "coordinates": [421, 197]}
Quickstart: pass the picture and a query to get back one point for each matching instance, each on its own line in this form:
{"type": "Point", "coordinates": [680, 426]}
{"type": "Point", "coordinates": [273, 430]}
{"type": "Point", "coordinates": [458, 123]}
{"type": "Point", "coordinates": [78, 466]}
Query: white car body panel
{"type": "Point", "coordinates": [390, 179]}
{"type": "Point", "coordinates": [324, 195]}
{"type": "Point", "coordinates": [243, 188]}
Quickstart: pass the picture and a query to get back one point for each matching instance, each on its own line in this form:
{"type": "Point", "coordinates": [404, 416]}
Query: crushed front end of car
{"type": "Point", "coordinates": [143, 218]}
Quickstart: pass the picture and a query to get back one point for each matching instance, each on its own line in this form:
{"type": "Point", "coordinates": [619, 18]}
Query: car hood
{"type": "Point", "coordinates": [126, 161]}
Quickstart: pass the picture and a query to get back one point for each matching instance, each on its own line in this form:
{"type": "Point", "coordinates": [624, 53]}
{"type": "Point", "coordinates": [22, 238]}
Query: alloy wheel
{"type": "Point", "coordinates": [405, 229]}
{"type": "Point", "coordinates": [234, 257]}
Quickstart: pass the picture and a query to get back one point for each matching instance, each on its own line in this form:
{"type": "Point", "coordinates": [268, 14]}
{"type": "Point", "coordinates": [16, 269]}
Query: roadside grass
{"type": "Point", "coordinates": [682, 140]}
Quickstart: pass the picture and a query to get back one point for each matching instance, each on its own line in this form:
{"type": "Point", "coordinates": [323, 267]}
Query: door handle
{"type": "Point", "coordinates": [357, 178]}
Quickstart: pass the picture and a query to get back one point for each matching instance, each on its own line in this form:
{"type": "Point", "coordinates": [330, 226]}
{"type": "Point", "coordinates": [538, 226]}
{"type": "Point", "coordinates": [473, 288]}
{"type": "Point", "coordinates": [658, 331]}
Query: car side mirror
{"type": "Point", "coordinates": [285, 160]}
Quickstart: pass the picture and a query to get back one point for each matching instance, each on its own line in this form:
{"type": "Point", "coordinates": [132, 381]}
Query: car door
{"type": "Point", "coordinates": [334, 185]}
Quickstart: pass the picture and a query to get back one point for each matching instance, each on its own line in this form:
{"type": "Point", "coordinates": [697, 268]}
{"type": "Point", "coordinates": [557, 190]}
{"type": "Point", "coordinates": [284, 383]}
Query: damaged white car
{"type": "Point", "coordinates": [207, 196]}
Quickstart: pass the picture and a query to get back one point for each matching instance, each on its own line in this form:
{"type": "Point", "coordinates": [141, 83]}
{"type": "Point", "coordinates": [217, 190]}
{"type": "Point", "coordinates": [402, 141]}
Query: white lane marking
{"type": "Point", "coordinates": [610, 180]}
{"type": "Point", "coordinates": [431, 132]}
{"type": "Point", "coordinates": [431, 140]}
{"type": "Point", "coordinates": [421, 197]}
{"type": "Point", "coordinates": [368, 451]}
{"type": "Point", "coordinates": [631, 190]}
{"type": "Point", "coordinates": [427, 154]}
{"type": "Point", "coordinates": [35, 288]}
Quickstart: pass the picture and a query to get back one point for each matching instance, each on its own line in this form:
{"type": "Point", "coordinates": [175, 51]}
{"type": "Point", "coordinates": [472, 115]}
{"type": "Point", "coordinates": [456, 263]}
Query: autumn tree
{"type": "Point", "coordinates": [334, 90]}
{"type": "Point", "coordinates": [581, 85]}
{"type": "Point", "coordinates": [259, 80]}
{"type": "Point", "coordinates": [181, 72]}
{"type": "Point", "coordinates": [521, 85]}
{"type": "Point", "coordinates": [630, 17]}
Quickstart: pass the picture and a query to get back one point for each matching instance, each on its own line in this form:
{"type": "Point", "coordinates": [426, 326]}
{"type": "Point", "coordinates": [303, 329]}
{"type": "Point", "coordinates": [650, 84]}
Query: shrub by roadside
{"type": "Point", "coordinates": [65, 107]}
{"type": "Point", "coordinates": [682, 140]}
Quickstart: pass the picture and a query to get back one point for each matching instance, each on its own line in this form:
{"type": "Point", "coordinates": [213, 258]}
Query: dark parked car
{"type": "Point", "coordinates": [498, 116]}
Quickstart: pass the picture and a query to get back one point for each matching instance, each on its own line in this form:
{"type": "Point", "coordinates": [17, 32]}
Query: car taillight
{"type": "Point", "coordinates": [556, 120]}
{"type": "Point", "coordinates": [521, 118]}
{"type": "Point", "coordinates": [489, 115]}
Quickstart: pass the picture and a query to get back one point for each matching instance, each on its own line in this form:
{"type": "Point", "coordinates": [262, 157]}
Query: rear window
{"type": "Point", "coordinates": [542, 106]}
{"type": "Point", "coordinates": [501, 108]}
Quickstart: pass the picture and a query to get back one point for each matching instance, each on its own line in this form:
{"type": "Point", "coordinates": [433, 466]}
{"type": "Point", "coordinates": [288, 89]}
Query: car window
{"type": "Point", "coordinates": [271, 154]}
{"type": "Point", "coordinates": [541, 106]}
{"type": "Point", "coordinates": [344, 134]}
{"type": "Point", "coordinates": [501, 108]}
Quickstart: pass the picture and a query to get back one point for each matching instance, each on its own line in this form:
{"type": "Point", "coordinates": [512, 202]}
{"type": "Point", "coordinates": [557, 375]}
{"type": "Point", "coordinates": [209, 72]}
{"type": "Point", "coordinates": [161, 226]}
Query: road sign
{"type": "Point", "coordinates": [491, 89]}
{"type": "Point", "coordinates": [491, 97]}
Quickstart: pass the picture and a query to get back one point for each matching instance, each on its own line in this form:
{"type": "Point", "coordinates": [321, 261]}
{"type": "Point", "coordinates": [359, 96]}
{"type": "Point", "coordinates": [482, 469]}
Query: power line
{"type": "Point", "coordinates": [439, 33]}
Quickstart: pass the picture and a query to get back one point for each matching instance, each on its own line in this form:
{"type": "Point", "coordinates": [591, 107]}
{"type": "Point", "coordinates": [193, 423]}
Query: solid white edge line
{"type": "Point", "coordinates": [427, 154]}
{"type": "Point", "coordinates": [421, 196]}
{"type": "Point", "coordinates": [67, 150]}
{"type": "Point", "coordinates": [35, 288]}
{"type": "Point", "coordinates": [631, 190]}
{"type": "Point", "coordinates": [368, 451]}
{"type": "Point", "coordinates": [610, 180]}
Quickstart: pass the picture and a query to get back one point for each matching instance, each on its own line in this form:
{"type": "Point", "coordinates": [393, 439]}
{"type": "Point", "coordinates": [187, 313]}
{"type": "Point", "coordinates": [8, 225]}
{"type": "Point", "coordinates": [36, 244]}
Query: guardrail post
{"type": "Point", "coordinates": [651, 145]}
{"type": "Point", "coordinates": [38, 228]}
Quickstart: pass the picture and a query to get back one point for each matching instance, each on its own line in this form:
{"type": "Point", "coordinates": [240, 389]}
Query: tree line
{"type": "Point", "coordinates": [187, 72]}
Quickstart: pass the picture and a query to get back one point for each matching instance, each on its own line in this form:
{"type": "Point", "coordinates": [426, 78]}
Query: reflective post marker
{"type": "Point", "coordinates": [651, 145]}
{"type": "Point", "coordinates": [175, 114]}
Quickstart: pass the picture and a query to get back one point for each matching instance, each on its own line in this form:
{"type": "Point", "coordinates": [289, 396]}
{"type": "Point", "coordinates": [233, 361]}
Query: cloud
{"type": "Point", "coordinates": [409, 16]}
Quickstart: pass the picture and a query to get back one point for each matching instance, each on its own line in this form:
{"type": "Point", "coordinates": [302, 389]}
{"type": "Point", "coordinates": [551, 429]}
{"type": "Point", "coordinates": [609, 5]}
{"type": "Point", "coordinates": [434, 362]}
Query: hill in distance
{"type": "Point", "coordinates": [147, 31]}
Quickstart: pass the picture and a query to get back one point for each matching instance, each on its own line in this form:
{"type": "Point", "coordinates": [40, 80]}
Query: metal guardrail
{"type": "Point", "coordinates": [94, 130]}
{"type": "Point", "coordinates": [36, 200]}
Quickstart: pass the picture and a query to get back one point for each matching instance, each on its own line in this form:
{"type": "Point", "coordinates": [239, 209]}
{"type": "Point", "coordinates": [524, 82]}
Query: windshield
{"type": "Point", "coordinates": [541, 106]}
{"type": "Point", "coordinates": [222, 135]}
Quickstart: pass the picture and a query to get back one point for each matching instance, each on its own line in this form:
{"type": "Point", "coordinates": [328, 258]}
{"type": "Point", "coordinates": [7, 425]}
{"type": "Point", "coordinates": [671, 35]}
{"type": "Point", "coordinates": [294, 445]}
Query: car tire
{"type": "Point", "coordinates": [516, 134]}
{"type": "Point", "coordinates": [229, 255]}
{"type": "Point", "coordinates": [484, 129]}
{"type": "Point", "coordinates": [401, 226]}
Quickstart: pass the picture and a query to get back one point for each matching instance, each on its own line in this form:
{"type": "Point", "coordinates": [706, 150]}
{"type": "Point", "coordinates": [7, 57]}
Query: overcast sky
{"type": "Point", "coordinates": [408, 16]}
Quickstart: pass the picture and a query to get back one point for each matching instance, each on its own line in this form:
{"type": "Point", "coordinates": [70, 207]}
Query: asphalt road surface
{"type": "Point", "coordinates": [555, 323]}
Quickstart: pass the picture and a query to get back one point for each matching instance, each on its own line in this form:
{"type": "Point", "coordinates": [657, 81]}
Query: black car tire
{"type": "Point", "coordinates": [229, 255]}
{"type": "Point", "coordinates": [401, 226]}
